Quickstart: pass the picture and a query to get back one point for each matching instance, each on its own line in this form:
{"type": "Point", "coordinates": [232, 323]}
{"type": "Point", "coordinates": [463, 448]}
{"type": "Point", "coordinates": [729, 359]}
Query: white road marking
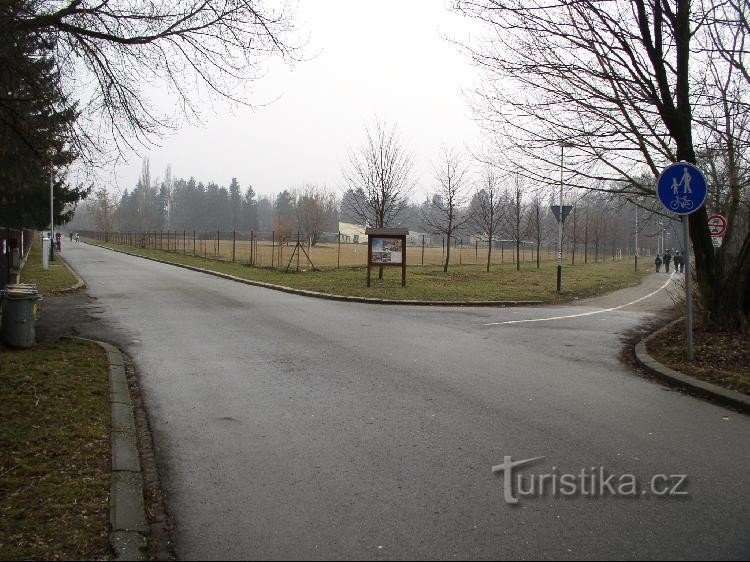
{"type": "Point", "coordinates": [651, 294]}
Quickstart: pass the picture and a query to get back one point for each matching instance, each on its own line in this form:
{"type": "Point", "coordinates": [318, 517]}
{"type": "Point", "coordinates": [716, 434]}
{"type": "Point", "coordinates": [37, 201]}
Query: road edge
{"type": "Point", "coordinates": [724, 396]}
{"type": "Point", "coordinates": [79, 283]}
{"type": "Point", "coordinates": [128, 529]}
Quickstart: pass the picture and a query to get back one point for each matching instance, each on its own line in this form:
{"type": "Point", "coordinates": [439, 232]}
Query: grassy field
{"type": "Point", "coordinates": [460, 283]}
{"type": "Point", "coordinates": [54, 442]}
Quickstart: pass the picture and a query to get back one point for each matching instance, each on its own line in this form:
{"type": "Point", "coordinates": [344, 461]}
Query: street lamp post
{"type": "Point", "coordinates": [51, 216]}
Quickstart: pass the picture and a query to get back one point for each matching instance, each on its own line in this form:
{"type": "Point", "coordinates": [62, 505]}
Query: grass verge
{"type": "Point", "coordinates": [429, 283]}
{"type": "Point", "coordinates": [54, 442]}
{"type": "Point", "coordinates": [721, 357]}
{"type": "Point", "coordinates": [54, 453]}
{"type": "Point", "coordinates": [56, 278]}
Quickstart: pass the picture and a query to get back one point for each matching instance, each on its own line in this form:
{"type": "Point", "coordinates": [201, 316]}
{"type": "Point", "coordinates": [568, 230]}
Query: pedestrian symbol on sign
{"type": "Point", "coordinates": [682, 188]}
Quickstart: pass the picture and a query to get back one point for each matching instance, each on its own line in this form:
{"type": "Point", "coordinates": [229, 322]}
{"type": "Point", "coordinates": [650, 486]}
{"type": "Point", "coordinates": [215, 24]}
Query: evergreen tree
{"type": "Point", "coordinates": [36, 121]}
{"type": "Point", "coordinates": [250, 210]}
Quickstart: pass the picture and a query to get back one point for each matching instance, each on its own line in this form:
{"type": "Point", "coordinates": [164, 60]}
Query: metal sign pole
{"type": "Point", "coordinates": [688, 284]}
{"type": "Point", "coordinates": [682, 189]}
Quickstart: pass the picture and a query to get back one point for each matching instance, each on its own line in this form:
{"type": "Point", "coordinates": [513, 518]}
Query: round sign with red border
{"type": "Point", "coordinates": [717, 224]}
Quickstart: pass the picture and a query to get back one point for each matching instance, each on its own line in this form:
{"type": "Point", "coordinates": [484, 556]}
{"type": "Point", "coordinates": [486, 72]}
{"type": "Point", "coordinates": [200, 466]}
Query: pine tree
{"type": "Point", "coordinates": [36, 121]}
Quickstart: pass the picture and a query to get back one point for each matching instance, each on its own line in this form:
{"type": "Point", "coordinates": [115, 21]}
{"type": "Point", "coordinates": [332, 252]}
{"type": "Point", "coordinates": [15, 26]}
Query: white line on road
{"type": "Point", "coordinates": [651, 294]}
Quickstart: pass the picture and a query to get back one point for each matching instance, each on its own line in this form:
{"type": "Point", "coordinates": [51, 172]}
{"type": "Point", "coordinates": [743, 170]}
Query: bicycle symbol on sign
{"type": "Point", "coordinates": [683, 202]}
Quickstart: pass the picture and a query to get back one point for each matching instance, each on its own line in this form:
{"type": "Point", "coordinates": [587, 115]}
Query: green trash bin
{"type": "Point", "coordinates": [20, 309]}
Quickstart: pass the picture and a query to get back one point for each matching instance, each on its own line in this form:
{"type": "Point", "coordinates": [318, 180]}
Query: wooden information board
{"type": "Point", "coordinates": [386, 247]}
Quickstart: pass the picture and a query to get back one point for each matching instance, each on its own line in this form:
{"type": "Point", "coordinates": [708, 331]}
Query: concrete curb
{"type": "Point", "coordinates": [717, 393]}
{"type": "Point", "coordinates": [326, 296]}
{"type": "Point", "coordinates": [127, 514]}
{"type": "Point", "coordinates": [80, 282]}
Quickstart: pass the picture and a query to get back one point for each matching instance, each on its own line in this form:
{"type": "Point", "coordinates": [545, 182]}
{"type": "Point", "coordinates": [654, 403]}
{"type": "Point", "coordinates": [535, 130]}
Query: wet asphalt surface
{"type": "Point", "coordinates": [290, 427]}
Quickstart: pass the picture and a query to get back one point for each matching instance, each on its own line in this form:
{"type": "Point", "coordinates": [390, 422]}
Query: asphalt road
{"type": "Point", "coordinates": [290, 427]}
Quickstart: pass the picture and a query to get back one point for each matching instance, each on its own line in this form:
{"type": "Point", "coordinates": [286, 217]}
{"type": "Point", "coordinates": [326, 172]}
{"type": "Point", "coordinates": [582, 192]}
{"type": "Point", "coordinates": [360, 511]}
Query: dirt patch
{"type": "Point", "coordinates": [721, 357]}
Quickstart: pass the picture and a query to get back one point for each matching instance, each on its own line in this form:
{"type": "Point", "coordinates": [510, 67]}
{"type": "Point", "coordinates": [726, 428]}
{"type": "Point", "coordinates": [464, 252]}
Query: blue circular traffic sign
{"type": "Point", "coordinates": [682, 188]}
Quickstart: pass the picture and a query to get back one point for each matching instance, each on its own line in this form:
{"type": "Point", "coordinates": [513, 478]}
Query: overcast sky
{"type": "Point", "coordinates": [387, 58]}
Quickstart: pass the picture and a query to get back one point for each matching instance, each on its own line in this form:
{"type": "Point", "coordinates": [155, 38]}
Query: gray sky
{"type": "Point", "coordinates": [385, 58]}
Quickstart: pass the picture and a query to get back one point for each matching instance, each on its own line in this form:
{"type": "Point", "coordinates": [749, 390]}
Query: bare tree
{"type": "Point", "coordinates": [515, 219]}
{"type": "Point", "coordinates": [486, 212]}
{"type": "Point", "coordinates": [109, 50]}
{"type": "Point", "coordinates": [380, 175]}
{"type": "Point", "coordinates": [535, 225]}
{"type": "Point", "coordinates": [445, 214]}
{"type": "Point", "coordinates": [316, 210]}
{"type": "Point", "coordinates": [624, 83]}
{"type": "Point", "coordinates": [104, 207]}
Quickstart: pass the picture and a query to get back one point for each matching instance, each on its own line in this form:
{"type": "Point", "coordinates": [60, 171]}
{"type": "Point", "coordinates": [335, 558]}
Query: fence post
{"type": "Point", "coordinates": [298, 247]}
{"type": "Point", "coordinates": [423, 249]}
{"type": "Point", "coordinates": [338, 252]}
{"type": "Point", "coordinates": [252, 247]}
{"type": "Point", "coordinates": [218, 242]}
{"type": "Point", "coordinates": [273, 246]}
{"type": "Point", "coordinates": [193, 243]}
{"type": "Point", "coordinates": [234, 243]}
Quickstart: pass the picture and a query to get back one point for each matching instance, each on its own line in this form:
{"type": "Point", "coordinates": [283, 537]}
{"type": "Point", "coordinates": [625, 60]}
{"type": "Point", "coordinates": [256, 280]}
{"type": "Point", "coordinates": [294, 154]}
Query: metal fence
{"type": "Point", "coordinates": [14, 247]}
{"type": "Point", "coordinates": [274, 250]}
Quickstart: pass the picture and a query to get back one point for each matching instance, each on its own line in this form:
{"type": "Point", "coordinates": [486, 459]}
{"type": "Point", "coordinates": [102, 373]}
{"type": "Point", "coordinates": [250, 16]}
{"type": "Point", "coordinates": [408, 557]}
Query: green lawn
{"type": "Point", "coordinates": [54, 452]}
{"type": "Point", "coordinates": [56, 278]}
{"type": "Point", "coordinates": [460, 283]}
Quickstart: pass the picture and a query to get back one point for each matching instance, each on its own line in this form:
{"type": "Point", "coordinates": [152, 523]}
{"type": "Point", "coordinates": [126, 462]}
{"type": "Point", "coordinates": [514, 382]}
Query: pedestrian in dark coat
{"type": "Point", "coordinates": [657, 261]}
{"type": "Point", "coordinates": [667, 261]}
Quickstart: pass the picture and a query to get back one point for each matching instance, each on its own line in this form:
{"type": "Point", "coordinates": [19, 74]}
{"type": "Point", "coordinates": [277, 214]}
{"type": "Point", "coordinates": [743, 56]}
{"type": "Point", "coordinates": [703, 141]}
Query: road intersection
{"type": "Point", "coordinates": [290, 427]}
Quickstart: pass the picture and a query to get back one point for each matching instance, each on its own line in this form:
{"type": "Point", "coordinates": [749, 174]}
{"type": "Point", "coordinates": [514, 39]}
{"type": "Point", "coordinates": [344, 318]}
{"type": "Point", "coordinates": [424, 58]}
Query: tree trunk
{"type": "Point", "coordinates": [447, 253]}
{"type": "Point", "coordinates": [489, 253]}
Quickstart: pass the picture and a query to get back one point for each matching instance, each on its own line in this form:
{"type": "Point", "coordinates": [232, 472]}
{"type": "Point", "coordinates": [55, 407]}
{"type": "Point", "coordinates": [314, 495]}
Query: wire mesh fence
{"type": "Point", "coordinates": [284, 251]}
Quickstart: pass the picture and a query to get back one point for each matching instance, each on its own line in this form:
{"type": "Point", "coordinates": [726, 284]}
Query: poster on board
{"type": "Point", "coordinates": [387, 250]}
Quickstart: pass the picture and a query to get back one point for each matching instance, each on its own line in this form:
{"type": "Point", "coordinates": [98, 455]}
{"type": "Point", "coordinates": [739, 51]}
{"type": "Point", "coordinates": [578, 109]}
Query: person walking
{"type": "Point", "coordinates": [667, 261]}
{"type": "Point", "coordinates": [657, 261]}
{"type": "Point", "coordinates": [677, 260]}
